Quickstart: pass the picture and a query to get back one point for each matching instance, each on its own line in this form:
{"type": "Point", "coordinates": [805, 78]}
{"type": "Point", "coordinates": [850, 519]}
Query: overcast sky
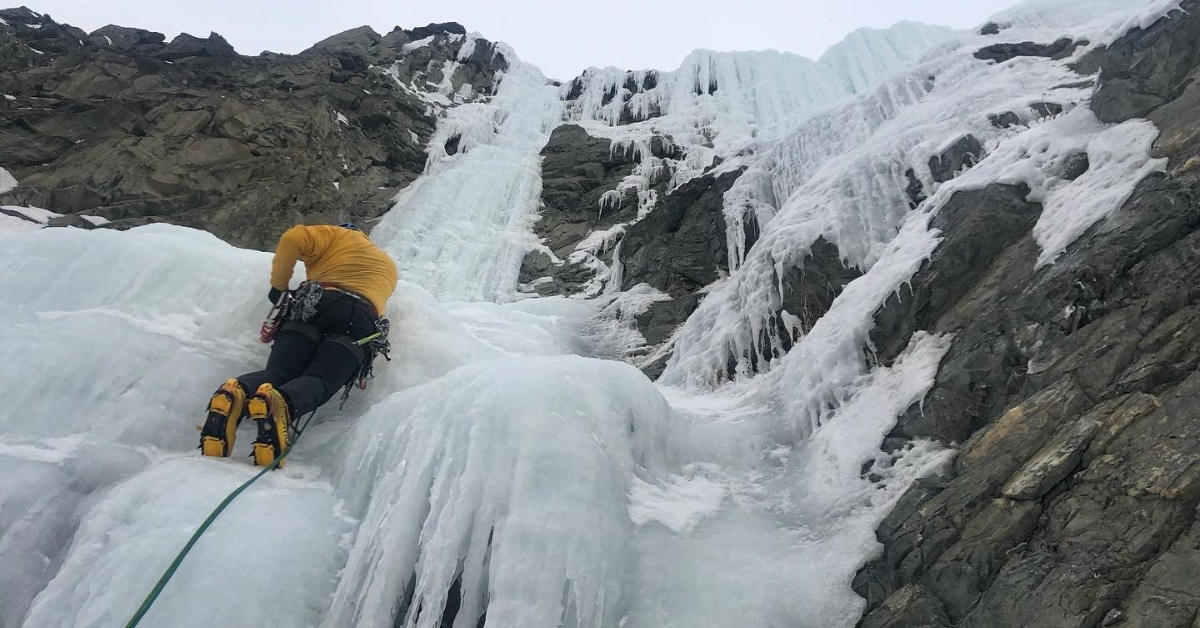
{"type": "Point", "coordinates": [560, 37]}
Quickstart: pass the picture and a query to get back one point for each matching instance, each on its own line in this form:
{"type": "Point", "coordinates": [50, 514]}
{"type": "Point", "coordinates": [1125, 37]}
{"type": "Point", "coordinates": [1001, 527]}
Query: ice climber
{"type": "Point", "coordinates": [329, 330]}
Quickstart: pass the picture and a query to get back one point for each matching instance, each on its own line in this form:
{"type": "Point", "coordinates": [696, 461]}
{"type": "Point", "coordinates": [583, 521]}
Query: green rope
{"type": "Point", "coordinates": [166, 577]}
{"type": "Point", "coordinates": [367, 339]}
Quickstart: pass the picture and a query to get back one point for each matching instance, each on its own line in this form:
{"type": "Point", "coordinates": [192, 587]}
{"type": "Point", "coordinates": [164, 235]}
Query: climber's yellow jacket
{"type": "Point", "coordinates": [339, 257]}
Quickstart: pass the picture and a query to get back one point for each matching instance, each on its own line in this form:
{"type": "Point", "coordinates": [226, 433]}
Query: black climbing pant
{"type": "Point", "coordinates": [310, 361]}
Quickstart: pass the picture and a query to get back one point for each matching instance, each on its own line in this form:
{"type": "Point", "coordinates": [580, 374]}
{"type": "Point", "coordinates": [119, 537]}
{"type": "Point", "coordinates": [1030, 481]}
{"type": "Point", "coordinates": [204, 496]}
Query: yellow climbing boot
{"type": "Point", "coordinates": [225, 409]}
{"type": "Point", "coordinates": [270, 410]}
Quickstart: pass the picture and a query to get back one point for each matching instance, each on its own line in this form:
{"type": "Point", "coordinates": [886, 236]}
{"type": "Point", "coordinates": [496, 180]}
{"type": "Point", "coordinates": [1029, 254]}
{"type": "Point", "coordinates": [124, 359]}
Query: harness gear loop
{"type": "Point", "coordinates": [275, 317]}
{"type": "Point", "coordinates": [376, 344]}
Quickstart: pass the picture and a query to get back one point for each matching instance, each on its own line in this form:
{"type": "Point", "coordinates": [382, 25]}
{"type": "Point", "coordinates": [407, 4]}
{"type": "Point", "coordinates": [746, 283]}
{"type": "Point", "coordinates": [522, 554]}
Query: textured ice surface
{"type": "Point", "coordinates": [510, 470]}
{"type": "Point", "coordinates": [867, 55]}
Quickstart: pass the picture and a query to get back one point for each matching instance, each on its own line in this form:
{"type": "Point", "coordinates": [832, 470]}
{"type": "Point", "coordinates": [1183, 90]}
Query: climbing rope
{"type": "Point", "coordinates": [166, 577]}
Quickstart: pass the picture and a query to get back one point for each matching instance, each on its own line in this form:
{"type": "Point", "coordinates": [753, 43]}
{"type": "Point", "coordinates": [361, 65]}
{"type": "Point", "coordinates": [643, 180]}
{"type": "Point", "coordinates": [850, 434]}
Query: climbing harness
{"type": "Point", "coordinates": [376, 344]}
{"type": "Point", "coordinates": [166, 577]}
{"type": "Point", "coordinates": [300, 305]}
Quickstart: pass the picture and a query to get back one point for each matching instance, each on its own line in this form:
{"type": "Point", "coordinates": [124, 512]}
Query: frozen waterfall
{"type": "Point", "coordinates": [494, 472]}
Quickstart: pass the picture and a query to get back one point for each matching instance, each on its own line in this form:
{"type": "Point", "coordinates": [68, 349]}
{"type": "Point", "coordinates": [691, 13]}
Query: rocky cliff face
{"type": "Point", "coordinates": [124, 125]}
{"type": "Point", "coordinates": [1073, 389]}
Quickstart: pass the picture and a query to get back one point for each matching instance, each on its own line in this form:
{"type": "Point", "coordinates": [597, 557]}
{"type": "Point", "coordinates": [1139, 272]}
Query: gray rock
{"type": "Point", "coordinates": [1006, 52]}
{"type": "Point", "coordinates": [911, 607]}
{"type": "Point", "coordinates": [963, 154]}
{"type": "Point", "coordinates": [680, 247]}
{"type": "Point", "coordinates": [185, 45]}
{"type": "Point", "coordinates": [662, 318]}
{"type": "Point", "coordinates": [915, 190]}
{"type": "Point", "coordinates": [577, 170]}
{"type": "Point", "coordinates": [1164, 598]}
{"type": "Point", "coordinates": [123, 38]}
{"type": "Point", "coordinates": [354, 42]}
{"type": "Point", "coordinates": [810, 288]}
{"type": "Point", "coordinates": [240, 146]}
{"type": "Point", "coordinates": [978, 227]}
{"type": "Point", "coordinates": [441, 28]}
{"type": "Point", "coordinates": [1148, 68]}
{"type": "Point", "coordinates": [1075, 166]}
{"type": "Point", "coordinates": [70, 220]}
{"type": "Point", "coordinates": [1046, 109]}
{"type": "Point", "coordinates": [1074, 388]}
{"type": "Point", "coordinates": [1004, 120]}
{"type": "Point", "coordinates": [1054, 462]}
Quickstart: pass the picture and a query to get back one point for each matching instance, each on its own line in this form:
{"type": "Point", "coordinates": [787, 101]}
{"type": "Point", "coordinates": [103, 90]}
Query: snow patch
{"type": "Point", "coordinates": [33, 214]}
{"type": "Point", "coordinates": [413, 45]}
{"type": "Point", "coordinates": [7, 181]}
{"type": "Point", "coordinates": [467, 49]}
{"type": "Point", "coordinates": [679, 502]}
{"type": "Point", "coordinates": [1119, 159]}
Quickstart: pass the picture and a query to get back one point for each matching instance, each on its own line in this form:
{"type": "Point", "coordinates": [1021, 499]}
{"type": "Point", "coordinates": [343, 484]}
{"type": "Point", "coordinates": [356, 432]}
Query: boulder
{"type": "Point", "coordinates": [1004, 120]}
{"type": "Point", "coordinates": [122, 38]}
{"type": "Point", "coordinates": [185, 45]}
{"type": "Point", "coordinates": [355, 42]}
{"type": "Point", "coordinates": [962, 154]}
{"type": "Point", "coordinates": [680, 247]}
{"type": "Point", "coordinates": [1000, 53]}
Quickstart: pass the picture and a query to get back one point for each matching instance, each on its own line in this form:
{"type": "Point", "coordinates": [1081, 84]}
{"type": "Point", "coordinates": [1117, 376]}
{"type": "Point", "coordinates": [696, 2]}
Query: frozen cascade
{"type": "Point", "coordinates": [462, 228]}
{"type": "Point", "coordinates": [842, 176]}
{"type": "Point", "coordinates": [491, 467]}
{"type": "Point", "coordinates": [867, 55]}
{"type": "Point", "coordinates": [514, 473]}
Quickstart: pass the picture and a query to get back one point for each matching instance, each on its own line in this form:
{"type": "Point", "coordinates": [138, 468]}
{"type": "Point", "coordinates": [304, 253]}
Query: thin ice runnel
{"type": "Point", "coordinates": [462, 229]}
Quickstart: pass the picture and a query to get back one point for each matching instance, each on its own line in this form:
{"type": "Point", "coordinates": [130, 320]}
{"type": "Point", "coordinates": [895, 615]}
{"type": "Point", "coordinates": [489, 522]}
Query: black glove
{"type": "Point", "coordinates": [273, 295]}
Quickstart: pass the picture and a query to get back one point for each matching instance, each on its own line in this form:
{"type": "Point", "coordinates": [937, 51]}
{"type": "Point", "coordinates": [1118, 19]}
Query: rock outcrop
{"type": "Point", "coordinates": [578, 170]}
{"type": "Point", "coordinates": [1072, 391]}
{"type": "Point", "coordinates": [124, 125]}
{"type": "Point", "coordinates": [1000, 53]}
{"type": "Point", "coordinates": [609, 214]}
